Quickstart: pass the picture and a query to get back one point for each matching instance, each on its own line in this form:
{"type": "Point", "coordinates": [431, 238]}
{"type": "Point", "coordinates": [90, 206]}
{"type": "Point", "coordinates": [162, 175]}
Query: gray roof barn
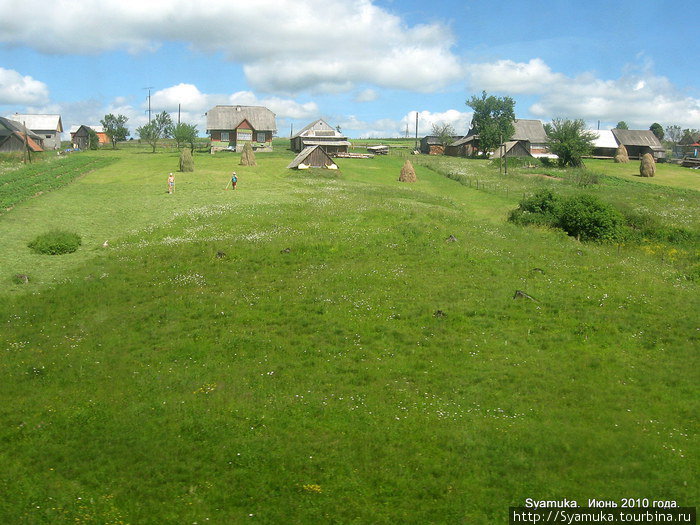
{"type": "Point", "coordinates": [230, 117]}
{"type": "Point", "coordinates": [530, 130]}
{"type": "Point", "coordinates": [640, 141]}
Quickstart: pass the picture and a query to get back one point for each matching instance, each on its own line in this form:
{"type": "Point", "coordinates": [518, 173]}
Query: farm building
{"type": "Point", "coordinates": [432, 145]}
{"type": "Point", "coordinates": [81, 134]}
{"type": "Point", "coordinates": [640, 141]}
{"type": "Point", "coordinates": [464, 147]}
{"type": "Point", "coordinates": [322, 134]}
{"type": "Point", "coordinates": [80, 139]}
{"type": "Point", "coordinates": [531, 134]}
{"type": "Point", "coordinates": [513, 148]}
{"type": "Point", "coordinates": [48, 127]}
{"type": "Point", "coordinates": [312, 157]}
{"type": "Point", "coordinates": [232, 127]}
{"type": "Point", "coordinates": [15, 137]}
{"type": "Point", "coordinates": [604, 144]}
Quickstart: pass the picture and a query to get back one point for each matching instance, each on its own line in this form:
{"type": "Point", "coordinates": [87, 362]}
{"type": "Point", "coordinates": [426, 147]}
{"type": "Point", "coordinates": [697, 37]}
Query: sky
{"type": "Point", "coordinates": [365, 65]}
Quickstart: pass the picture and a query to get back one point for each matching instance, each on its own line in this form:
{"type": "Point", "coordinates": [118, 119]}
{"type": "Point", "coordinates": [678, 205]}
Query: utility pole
{"type": "Point", "coordinates": [149, 102]}
{"type": "Point", "coordinates": [416, 131]}
{"type": "Point", "coordinates": [178, 114]}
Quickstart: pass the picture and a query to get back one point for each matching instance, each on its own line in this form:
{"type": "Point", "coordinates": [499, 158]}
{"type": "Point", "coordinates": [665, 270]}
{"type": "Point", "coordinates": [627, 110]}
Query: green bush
{"type": "Point", "coordinates": [542, 209]}
{"type": "Point", "coordinates": [588, 219]}
{"type": "Point", "coordinates": [56, 242]}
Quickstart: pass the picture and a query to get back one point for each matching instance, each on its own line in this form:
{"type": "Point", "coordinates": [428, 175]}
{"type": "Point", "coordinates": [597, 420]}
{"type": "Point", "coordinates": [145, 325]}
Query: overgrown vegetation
{"type": "Point", "coordinates": [56, 242]}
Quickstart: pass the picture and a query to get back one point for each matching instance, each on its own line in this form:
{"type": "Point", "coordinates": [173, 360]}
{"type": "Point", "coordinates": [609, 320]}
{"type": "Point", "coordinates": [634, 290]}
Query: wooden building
{"type": "Point", "coordinates": [532, 136]}
{"type": "Point", "coordinates": [16, 138]}
{"type": "Point", "coordinates": [432, 145]}
{"type": "Point", "coordinates": [512, 148]}
{"type": "Point", "coordinates": [48, 127]}
{"type": "Point", "coordinates": [232, 127]}
{"type": "Point", "coordinates": [322, 134]}
{"type": "Point", "coordinates": [312, 157]}
{"type": "Point", "coordinates": [80, 139]}
{"type": "Point", "coordinates": [463, 147]}
{"type": "Point", "coordinates": [604, 144]}
{"type": "Point", "coordinates": [640, 141]}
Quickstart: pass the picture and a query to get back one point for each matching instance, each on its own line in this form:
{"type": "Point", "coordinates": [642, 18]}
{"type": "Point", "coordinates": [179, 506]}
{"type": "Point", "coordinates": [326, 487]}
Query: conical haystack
{"type": "Point", "coordinates": [186, 160]}
{"type": "Point", "coordinates": [248, 157]}
{"type": "Point", "coordinates": [647, 168]}
{"type": "Point", "coordinates": [408, 174]}
{"type": "Point", "coordinates": [621, 155]}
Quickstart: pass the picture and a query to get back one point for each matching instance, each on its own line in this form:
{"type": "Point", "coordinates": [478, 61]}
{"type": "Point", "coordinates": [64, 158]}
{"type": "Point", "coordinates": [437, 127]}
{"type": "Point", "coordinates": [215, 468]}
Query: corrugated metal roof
{"type": "Point", "coordinates": [230, 117]}
{"type": "Point", "coordinates": [531, 130]}
{"type": "Point", "coordinates": [604, 138]}
{"type": "Point", "coordinates": [638, 137]}
{"type": "Point", "coordinates": [39, 122]}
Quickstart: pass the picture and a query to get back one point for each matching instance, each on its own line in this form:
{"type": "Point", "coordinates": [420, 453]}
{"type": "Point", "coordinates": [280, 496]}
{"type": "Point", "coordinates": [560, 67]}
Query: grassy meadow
{"type": "Point", "coordinates": [314, 347]}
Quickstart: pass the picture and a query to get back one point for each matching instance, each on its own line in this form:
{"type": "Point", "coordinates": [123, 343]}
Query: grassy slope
{"type": "Point", "coordinates": [167, 382]}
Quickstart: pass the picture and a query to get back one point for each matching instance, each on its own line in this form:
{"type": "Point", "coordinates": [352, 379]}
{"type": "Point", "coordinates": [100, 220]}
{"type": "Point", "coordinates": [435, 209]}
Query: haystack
{"type": "Point", "coordinates": [248, 157]}
{"type": "Point", "coordinates": [647, 168]}
{"type": "Point", "coordinates": [186, 160]}
{"type": "Point", "coordinates": [621, 156]}
{"type": "Point", "coordinates": [408, 174]}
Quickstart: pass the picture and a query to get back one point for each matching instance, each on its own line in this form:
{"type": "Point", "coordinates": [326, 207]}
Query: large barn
{"type": "Point", "coordinates": [232, 127]}
{"type": "Point", "coordinates": [640, 141]}
{"type": "Point", "coordinates": [48, 127]}
{"type": "Point", "coordinates": [322, 134]}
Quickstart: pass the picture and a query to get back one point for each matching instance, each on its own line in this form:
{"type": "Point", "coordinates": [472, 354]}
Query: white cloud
{"type": "Point", "coordinates": [638, 97]}
{"type": "Point", "coordinates": [18, 89]}
{"type": "Point", "coordinates": [286, 46]}
{"type": "Point", "coordinates": [366, 95]}
{"type": "Point", "coordinates": [389, 128]}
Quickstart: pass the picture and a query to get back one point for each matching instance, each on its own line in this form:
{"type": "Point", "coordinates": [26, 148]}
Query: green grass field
{"type": "Point", "coordinates": [311, 349]}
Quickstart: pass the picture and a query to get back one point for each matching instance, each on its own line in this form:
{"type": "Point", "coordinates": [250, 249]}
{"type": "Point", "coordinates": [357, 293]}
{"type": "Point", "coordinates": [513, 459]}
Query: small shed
{"type": "Point", "coordinates": [464, 147]}
{"type": "Point", "coordinates": [312, 157]}
{"type": "Point", "coordinates": [513, 148]}
{"type": "Point", "coordinates": [379, 149]}
{"type": "Point", "coordinates": [640, 141]}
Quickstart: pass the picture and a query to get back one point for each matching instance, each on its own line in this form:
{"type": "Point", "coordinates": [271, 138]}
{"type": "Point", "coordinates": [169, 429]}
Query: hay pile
{"type": "Point", "coordinates": [186, 160]}
{"type": "Point", "coordinates": [248, 157]}
{"type": "Point", "coordinates": [647, 168]}
{"type": "Point", "coordinates": [621, 156]}
{"type": "Point", "coordinates": [408, 174]}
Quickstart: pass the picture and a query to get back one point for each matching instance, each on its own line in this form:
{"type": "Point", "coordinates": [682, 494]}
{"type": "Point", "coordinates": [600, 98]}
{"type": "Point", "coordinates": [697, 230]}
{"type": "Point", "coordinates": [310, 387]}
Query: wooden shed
{"type": "Point", "coordinates": [513, 148]}
{"type": "Point", "coordinates": [312, 157]}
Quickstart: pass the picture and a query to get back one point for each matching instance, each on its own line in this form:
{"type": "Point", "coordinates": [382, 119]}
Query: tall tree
{"type": "Point", "coordinates": [493, 120]}
{"type": "Point", "coordinates": [115, 128]}
{"type": "Point", "coordinates": [657, 130]}
{"type": "Point", "coordinates": [690, 136]}
{"type": "Point", "coordinates": [622, 125]}
{"type": "Point", "coordinates": [674, 134]}
{"type": "Point", "coordinates": [159, 128]}
{"type": "Point", "coordinates": [185, 134]}
{"type": "Point", "coordinates": [444, 132]}
{"type": "Point", "coordinates": [569, 140]}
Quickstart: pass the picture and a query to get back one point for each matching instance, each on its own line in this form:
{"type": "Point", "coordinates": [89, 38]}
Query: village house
{"type": "Point", "coordinates": [320, 133]}
{"type": "Point", "coordinates": [48, 127]}
{"type": "Point", "coordinates": [529, 139]}
{"type": "Point", "coordinates": [640, 141]}
{"type": "Point", "coordinates": [80, 139]}
{"type": "Point", "coordinates": [232, 127]}
{"type": "Point", "coordinates": [14, 137]}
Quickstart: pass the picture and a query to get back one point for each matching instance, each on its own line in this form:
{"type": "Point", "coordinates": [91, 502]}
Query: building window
{"type": "Point", "coordinates": [261, 136]}
{"type": "Point", "coordinates": [48, 136]}
{"type": "Point", "coordinates": [244, 134]}
{"type": "Point", "coordinates": [224, 136]}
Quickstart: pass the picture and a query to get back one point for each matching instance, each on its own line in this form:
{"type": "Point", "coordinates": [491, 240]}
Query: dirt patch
{"type": "Point", "coordinates": [542, 175]}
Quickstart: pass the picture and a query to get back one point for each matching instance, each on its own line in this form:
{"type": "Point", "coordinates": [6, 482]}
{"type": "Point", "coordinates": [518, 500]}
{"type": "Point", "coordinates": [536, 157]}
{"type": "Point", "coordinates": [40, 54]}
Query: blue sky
{"type": "Point", "coordinates": [366, 65]}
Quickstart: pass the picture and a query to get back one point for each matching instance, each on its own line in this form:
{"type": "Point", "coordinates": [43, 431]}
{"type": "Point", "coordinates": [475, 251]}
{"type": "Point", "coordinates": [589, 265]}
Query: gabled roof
{"type": "Point", "coordinates": [511, 145]}
{"type": "Point", "coordinates": [33, 146]}
{"type": "Point", "coordinates": [8, 127]}
{"type": "Point", "coordinates": [303, 154]}
{"type": "Point", "coordinates": [465, 140]}
{"type": "Point", "coordinates": [230, 117]}
{"type": "Point", "coordinates": [604, 138]}
{"type": "Point", "coordinates": [319, 128]}
{"type": "Point", "coordinates": [638, 137]}
{"type": "Point", "coordinates": [39, 122]}
{"type": "Point", "coordinates": [96, 129]}
{"type": "Point", "coordinates": [531, 130]}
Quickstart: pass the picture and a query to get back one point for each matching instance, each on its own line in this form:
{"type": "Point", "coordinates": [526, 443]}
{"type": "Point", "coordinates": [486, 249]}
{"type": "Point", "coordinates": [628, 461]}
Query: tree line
{"type": "Point", "coordinates": [160, 127]}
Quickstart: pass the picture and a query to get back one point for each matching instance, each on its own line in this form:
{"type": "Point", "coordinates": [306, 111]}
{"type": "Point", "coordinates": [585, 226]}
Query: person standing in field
{"type": "Point", "coordinates": [171, 183]}
{"type": "Point", "coordinates": [234, 181]}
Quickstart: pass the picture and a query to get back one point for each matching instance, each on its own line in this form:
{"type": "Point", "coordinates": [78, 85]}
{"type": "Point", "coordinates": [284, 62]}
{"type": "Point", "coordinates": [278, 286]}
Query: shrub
{"type": "Point", "coordinates": [56, 242]}
{"type": "Point", "coordinates": [588, 219]}
{"type": "Point", "coordinates": [541, 208]}
{"type": "Point", "coordinates": [186, 160]}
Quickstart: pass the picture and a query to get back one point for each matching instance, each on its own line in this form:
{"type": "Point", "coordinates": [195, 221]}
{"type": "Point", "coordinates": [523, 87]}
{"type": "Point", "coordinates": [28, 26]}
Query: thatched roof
{"type": "Point", "coordinates": [638, 137]}
{"type": "Point", "coordinates": [230, 117]}
{"type": "Point", "coordinates": [39, 122]}
{"type": "Point", "coordinates": [530, 130]}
